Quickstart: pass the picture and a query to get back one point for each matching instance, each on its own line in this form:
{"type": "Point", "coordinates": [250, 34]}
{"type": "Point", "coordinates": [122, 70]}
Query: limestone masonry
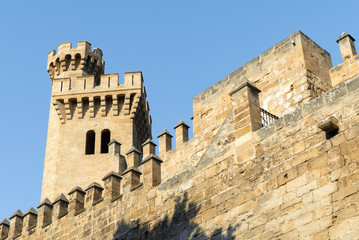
{"type": "Point", "coordinates": [274, 154]}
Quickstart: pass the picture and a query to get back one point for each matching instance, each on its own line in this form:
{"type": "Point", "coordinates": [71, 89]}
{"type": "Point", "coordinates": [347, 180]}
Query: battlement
{"type": "Point", "coordinates": [142, 173]}
{"type": "Point", "coordinates": [80, 61]}
{"type": "Point", "coordinates": [72, 98]}
{"type": "Point", "coordinates": [88, 108]}
{"type": "Point", "coordinates": [246, 173]}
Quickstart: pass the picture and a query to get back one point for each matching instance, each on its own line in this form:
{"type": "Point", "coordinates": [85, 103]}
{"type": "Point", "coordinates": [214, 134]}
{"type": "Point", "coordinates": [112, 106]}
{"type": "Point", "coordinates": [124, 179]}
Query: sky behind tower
{"type": "Point", "coordinates": [182, 48]}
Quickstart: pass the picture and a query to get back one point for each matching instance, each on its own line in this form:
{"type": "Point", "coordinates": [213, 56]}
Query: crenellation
{"type": "Point", "coordinates": [350, 65]}
{"type": "Point", "coordinates": [133, 79]}
{"type": "Point", "coordinates": [181, 129]}
{"type": "Point", "coordinates": [131, 179]}
{"type": "Point", "coordinates": [151, 171]}
{"type": "Point", "coordinates": [346, 45]}
{"type": "Point", "coordinates": [82, 59]}
{"type": "Point", "coordinates": [44, 213]}
{"type": "Point", "coordinates": [112, 183]}
{"type": "Point", "coordinates": [238, 177]}
{"type": "Point", "coordinates": [30, 220]}
{"type": "Point", "coordinates": [133, 158]}
{"type": "Point", "coordinates": [16, 223]}
{"type": "Point", "coordinates": [148, 148]}
{"type": "Point", "coordinates": [165, 142]}
{"type": "Point", "coordinates": [76, 201]}
{"type": "Point", "coordinates": [4, 228]}
{"type": "Point", "coordinates": [93, 195]}
{"type": "Point", "coordinates": [60, 206]}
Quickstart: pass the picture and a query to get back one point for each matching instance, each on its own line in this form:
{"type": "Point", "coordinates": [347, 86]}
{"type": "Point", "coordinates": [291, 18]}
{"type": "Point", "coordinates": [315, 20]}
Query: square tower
{"type": "Point", "coordinates": [88, 109]}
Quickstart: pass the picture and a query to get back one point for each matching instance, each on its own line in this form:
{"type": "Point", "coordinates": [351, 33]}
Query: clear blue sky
{"type": "Point", "coordinates": [182, 48]}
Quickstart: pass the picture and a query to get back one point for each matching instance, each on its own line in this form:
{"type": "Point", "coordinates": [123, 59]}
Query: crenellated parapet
{"type": "Point", "coordinates": [79, 61]}
{"type": "Point", "coordinates": [141, 174]}
{"type": "Point", "coordinates": [126, 100]}
{"type": "Point", "coordinates": [350, 65]}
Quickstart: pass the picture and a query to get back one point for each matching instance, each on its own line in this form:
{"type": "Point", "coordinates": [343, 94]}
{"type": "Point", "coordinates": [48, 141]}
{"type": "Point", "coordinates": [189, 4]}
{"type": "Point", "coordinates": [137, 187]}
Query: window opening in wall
{"type": "Point", "coordinates": [131, 100]}
{"type": "Point", "coordinates": [61, 86]}
{"type": "Point", "coordinates": [88, 60]}
{"type": "Point", "coordinates": [77, 60]}
{"type": "Point", "coordinates": [94, 66]}
{"type": "Point", "coordinates": [105, 140]}
{"type": "Point", "coordinates": [85, 84]}
{"type": "Point", "coordinates": [67, 61]}
{"type": "Point", "coordinates": [70, 84]}
{"type": "Point", "coordinates": [132, 79]}
{"type": "Point", "coordinates": [90, 142]}
{"type": "Point", "coordinates": [108, 82]}
{"type": "Point", "coordinates": [58, 66]}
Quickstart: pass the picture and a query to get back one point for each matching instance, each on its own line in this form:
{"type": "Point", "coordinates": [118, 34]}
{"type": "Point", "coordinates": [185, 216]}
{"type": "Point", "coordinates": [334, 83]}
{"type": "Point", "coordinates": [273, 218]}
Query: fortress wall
{"type": "Point", "coordinates": [344, 71]}
{"type": "Point", "coordinates": [282, 73]}
{"type": "Point", "coordinates": [288, 180]}
{"type": "Point", "coordinates": [297, 185]}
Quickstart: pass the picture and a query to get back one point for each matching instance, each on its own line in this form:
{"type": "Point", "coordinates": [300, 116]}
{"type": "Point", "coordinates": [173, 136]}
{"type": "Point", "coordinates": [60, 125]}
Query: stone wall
{"type": "Point", "coordinates": [297, 184]}
{"type": "Point", "coordinates": [293, 179]}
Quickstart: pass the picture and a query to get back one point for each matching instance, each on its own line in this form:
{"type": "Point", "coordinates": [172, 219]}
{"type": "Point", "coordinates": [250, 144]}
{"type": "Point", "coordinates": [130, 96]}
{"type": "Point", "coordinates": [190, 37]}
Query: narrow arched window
{"type": "Point", "coordinates": [58, 66]}
{"type": "Point", "coordinates": [68, 61]}
{"type": "Point", "coordinates": [105, 140]}
{"type": "Point", "coordinates": [77, 61]}
{"type": "Point", "coordinates": [90, 142]}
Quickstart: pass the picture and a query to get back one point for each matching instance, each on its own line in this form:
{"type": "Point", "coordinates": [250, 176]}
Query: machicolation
{"type": "Point", "coordinates": [274, 153]}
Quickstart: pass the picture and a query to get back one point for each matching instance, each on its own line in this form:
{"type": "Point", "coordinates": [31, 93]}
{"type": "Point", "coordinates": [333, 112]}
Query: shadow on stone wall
{"type": "Point", "coordinates": [178, 226]}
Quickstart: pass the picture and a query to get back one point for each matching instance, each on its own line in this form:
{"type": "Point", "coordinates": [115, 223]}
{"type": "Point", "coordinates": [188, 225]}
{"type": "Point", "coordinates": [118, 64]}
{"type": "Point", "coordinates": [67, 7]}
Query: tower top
{"type": "Point", "coordinates": [70, 62]}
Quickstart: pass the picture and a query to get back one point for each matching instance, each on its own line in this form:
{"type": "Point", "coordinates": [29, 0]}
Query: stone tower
{"type": "Point", "coordinates": [88, 111]}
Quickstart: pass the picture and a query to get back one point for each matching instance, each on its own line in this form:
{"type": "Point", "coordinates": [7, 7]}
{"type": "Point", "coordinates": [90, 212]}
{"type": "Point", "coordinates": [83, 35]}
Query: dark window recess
{"type": "Point", "coordinates": [105, 140]}
{"type": "Point", "coordinates": [330, 126]}
{"type": "Point", "coordinates": [90, 142]}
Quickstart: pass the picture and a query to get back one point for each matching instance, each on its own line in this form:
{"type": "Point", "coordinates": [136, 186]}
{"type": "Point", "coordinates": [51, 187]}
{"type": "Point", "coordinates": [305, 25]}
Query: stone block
{"type": "Point", "coordinates": [16, 225]}
{"type": "Point", "coordinates": [151, 171]}
{"type": "Point", "coordinates": [133, 158]}
{"type": "Point", "coordinates": [30, 219]}
{"type": "Point", "coordinates": [131, 179]}
{"type": "Point", "coordinates": [45, 213]}
{"type": "Point", "coordinates": [77, 200]}
{"type": "Point", "coordinates": [60, 206]}
{"type": "Point", "coordinates": [112, 182]}
{"type": "Point", "coordinates": [148, 148]}
{"type": "Point", "coordinates": [4, 228]}
{"type": "Point", "coordinates": [165, 142]}
{"type": "Point", "coordinates": [93, 194]}
{"type": "Point", "coordinates": [181, 129]}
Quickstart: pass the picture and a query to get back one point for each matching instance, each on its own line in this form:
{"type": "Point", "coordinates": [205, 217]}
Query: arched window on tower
{"type": "Point", "coordinates": [90, 142]}
{"type": "Point", "coordinates": [77, 61]}
{"type": "Point", "coordinates": [68, 61]}
{"type": "Point", "coordinates": [105, 140]}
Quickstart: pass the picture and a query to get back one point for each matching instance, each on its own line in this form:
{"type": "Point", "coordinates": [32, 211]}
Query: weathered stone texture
{"type": "Point", "coordinates": [287, 180]}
